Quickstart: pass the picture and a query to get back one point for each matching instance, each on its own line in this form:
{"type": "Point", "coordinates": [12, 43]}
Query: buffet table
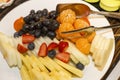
{"type": "Point", "coordinates": [116, 58]}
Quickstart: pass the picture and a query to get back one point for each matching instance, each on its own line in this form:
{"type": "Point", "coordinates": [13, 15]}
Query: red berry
{"type": "Point", "coordinates": [21, 48]}
{"type": "Point", "coordinates": [43, 50]}
{"type": "Point", "coordinates": [52, 45]}
{"type": "Point", "coordinates": [64, 56]}
{"type": "Point", "coordinates": [63, 46]}
{"type": "Point", "coordinates": [26, 38]}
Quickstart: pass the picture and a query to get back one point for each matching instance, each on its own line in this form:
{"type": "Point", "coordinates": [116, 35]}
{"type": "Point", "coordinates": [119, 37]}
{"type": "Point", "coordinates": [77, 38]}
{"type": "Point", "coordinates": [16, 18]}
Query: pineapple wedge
{"type": "Point", "coordinates": [24, 73]}
{"type": "Point", "coordinates": [72, 69]}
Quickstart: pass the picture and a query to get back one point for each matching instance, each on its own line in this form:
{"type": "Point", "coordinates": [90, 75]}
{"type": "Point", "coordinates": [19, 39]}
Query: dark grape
{"type": "Point", "coordinates": [37, 33]}
{"type": "Point", "coordinates": [52, 14]}
{"type": "Point", "coordinates": [39, 13]}
{"type": "Point", "coordinates": [32, 32]}
{"type": "Point", "coordinates": [36, 17]}
{"type": "Point", "coordinates": [46, 22]}
{"type": "Point", "coordinates": [38, 25]}
{"type": "Point", "coordinates": [44, 12]}
{"type": "Point", "coordinates": [21, 32]}
{"type": "Point", "coordinates": [32, 12]}
{"type": "Point", "coordinates": [44, 31]}
{"type": "Point", "coordinates": [51, 34]}
{"type": "Point", "coordinates": [32, 26]}
{"type": "Point", "coordinates": [54, 25]}
{"type": "Point", "coordinates": [25, 27]}
{"type": "Point", "coordinates": [26, 19]}
{"type": "Point", "coordinates": [31, 22]}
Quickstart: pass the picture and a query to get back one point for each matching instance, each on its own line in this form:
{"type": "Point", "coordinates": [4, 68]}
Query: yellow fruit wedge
{"type": "Point", "coordinates": [46, 76]}
{"type": "Point", "coordinates": [40, 65]}
{"type": "Point", "coordinates": [44, 62]}
{"type": "Point", "coordinates": [72, 69]}
{"type": "Point", "coordinates": [36, 75]}
{"type": "Point", "coordinates": [26, 62]}
{"type": "Point", "coordinates": [57, 67]}
{"type": "Point", "coordinates": [24, 73]}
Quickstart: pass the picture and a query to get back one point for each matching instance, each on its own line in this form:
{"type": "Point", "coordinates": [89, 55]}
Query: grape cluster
{"type": "Point", "coordinates": [40, 23]}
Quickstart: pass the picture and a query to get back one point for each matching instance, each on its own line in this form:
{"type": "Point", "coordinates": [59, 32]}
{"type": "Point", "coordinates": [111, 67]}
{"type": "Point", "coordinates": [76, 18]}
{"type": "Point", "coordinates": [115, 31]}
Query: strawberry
{"type": "Point", "coordinates": [42, 50]}
{"type": "Point", "coordinates": [64, 56]}
{"type": "Point", "coordinates": [52, 46]}
{"type": "Point", "coordinates": [62, 46]}
{"type": "Point", "coordinates": [21, 48]}
{"type": "Point", "coordinates": [27, 38]}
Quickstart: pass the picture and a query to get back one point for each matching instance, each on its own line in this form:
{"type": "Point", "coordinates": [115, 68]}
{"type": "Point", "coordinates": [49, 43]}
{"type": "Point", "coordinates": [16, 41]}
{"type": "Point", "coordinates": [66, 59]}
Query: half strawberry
{"type": "Point", "coordinates": [21, 48]}
{"type": "Point", "coordinates": [27, 38]}
{"type": "Point", "coordinates": [42, 50]}
{"type": "Point", "coordinates": [52, 46]}
{"type": "Point", "coordinates": [64, 56]}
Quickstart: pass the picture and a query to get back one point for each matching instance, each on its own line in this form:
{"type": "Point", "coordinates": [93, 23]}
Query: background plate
{"type": "Point", "coordinates": [6, 26]}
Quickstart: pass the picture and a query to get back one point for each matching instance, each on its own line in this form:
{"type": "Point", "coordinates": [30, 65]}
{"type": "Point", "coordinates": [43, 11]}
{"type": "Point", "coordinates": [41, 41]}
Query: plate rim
{"type": "Point", "coordinates": [62, 0]}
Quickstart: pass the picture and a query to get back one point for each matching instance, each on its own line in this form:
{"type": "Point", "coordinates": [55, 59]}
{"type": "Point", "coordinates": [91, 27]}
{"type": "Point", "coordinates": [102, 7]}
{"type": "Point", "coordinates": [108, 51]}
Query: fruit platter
{"type": "Point", "coordinates": [33, 46]}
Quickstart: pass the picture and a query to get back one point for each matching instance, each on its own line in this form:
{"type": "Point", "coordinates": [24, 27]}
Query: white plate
{"type": "Point", "coordinates": [6, 26]}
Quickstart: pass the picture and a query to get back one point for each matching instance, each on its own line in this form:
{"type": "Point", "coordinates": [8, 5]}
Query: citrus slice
{"type": "Point", "coordinates": [110, 5]}
{"type": "Point", "coordinates": [92, 1]}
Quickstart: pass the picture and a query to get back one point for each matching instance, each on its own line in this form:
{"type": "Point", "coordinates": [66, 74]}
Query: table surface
{"type": "Point", "coordinates": [116, 58]}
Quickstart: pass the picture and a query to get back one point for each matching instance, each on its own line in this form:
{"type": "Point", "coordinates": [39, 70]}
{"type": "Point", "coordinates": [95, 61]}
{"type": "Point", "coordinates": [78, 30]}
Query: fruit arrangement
{"type": "Point", "coordinates": [42, 52]}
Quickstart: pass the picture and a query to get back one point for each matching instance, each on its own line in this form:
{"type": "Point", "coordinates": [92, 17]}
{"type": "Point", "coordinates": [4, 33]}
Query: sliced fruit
{"type": "Point", "coordinates": [21, 48]}
{"type": "Point", "coordinates": [64, 56]}
{"type": "Point", "coordinates": [91, 37]}
{"type": "Point", "coordinates": [36, 75]}
{"type": "Point", "coordinates": [74, 60]}
{"type": "Point", "coordinates": [46, 76]}
{"type": "Point", "coordinates": [101, 48]}
{"type": "Point", "coordinates": [9, 55]}
{"type": "Point", "coordinates": [83, 45]}
{"type": "Point", "coordinates": [46, 64]}
{"type": "Point", "coordinates": [24, 73]}
{"type": "Point", "coordinates": [72, 49]}
{"type": "Point", "coordinates": [92, 1]}
{"type": "Point", "coordinates": [57, 67]}
{"type": "Point", "coordinates": [27, 38]}
{"type": "Point", "coordinates": [67, 16]}
{"type": "Point", "coordinates": [18, 24]}
{"type": "Point", "coordinates": [19, 61]}
{"type": "Point", "coordinates": [52, 45]}
{"type": "Point", "coordinates": [40, 65]}
{"type": "Point", "coordinates": [65, 27]}
{"type": "Point", "coordinates": [85, 19]}
{"type": "Point", "coordinates": [43, 50]}
{"type": "Point", "coordinates": [81, 23]}
{"type": "Point", "coordinates": [63, 45]}
{"type": "Point", "coordinates": [110, 5]}
{"type": "Point", "coordinates": [72, 69]}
